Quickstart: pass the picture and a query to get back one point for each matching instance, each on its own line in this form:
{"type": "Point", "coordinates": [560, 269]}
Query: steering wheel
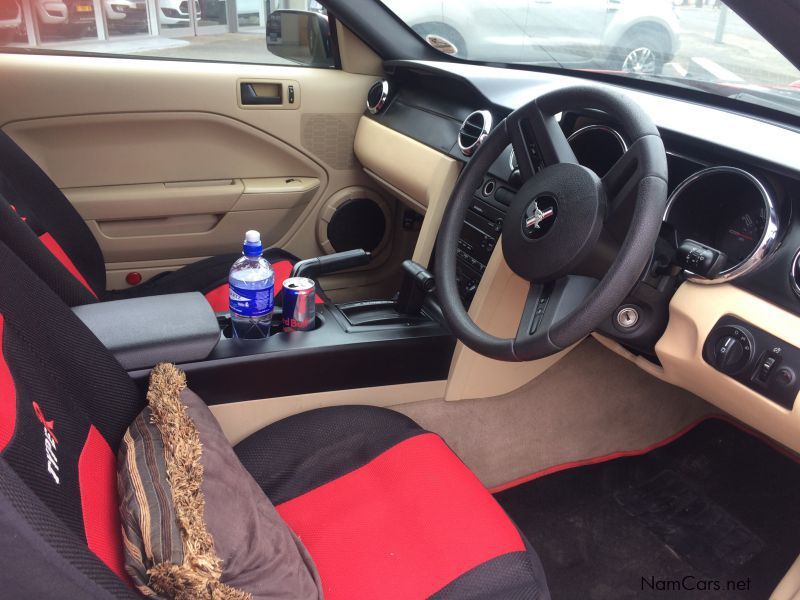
{"type": "Point", "coordinates": [555, 220]}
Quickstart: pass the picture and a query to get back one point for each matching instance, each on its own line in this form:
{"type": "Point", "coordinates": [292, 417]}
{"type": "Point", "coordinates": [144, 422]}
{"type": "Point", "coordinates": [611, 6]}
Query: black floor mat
{"type": "Point", "coordinates": [714, 514]}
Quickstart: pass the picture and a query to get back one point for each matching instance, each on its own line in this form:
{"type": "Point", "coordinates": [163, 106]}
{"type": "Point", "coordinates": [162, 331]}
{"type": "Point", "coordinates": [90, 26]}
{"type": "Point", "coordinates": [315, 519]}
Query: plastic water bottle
{"type": "Point", "coordinates": [252, 291]}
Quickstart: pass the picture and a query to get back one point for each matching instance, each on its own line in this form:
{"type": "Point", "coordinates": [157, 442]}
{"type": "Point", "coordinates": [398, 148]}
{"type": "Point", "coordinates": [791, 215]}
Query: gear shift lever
{"type": "Point", "coordinates": [418, 282]}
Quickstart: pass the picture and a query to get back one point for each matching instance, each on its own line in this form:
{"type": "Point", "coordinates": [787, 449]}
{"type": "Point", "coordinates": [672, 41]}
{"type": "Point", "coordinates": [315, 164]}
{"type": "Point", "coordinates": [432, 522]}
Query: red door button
{"type": "Point", "coordinates": [133, 278]}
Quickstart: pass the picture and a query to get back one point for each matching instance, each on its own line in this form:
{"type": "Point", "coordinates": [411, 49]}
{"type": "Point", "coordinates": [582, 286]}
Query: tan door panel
{"type": "Point", "coordinates": [174, 220]}
{"type": "Point", "coordinates": [134, 148]}
{"type": "Point", "coordinates": [276, 192]}
{"type": "Point", "coordinates": [155, 199]}
{"type": "Point", "coordinates": [148, 239]}
{"type": "Point", "coordinates": [254, 181]}
{"type": "Point", "coordinates": [167, 166]}
{"type": "Point", "coordinates": [160, 226]}
{"type": "Point", "coordinates": [106, 203]}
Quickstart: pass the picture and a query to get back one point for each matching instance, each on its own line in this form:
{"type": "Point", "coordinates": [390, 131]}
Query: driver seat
{"type": "Point", "coordinates": [43, 228]}
{"type": "Point", "coordinates": [385, 509]}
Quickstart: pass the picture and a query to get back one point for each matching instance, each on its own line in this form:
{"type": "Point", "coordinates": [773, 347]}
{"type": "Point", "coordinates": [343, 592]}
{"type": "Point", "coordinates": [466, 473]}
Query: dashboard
{"type": "Point", "coordinates": [729, 199]}
{"type": "Point", "coordinates": [717, 310]}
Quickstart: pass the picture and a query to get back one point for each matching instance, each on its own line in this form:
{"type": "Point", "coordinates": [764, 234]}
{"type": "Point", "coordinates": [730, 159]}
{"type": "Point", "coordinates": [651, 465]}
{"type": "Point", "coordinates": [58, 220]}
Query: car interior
{"type": "Point", "coordinates": [555, 346]}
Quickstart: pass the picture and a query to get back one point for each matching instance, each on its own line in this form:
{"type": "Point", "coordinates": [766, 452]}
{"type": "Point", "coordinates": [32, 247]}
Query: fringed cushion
{"type": "Point", "coordinates": [195, 524]}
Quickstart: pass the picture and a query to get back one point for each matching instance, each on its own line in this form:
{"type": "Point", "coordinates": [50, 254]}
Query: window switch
{"type": "Point", "coordinates": [291, 94]}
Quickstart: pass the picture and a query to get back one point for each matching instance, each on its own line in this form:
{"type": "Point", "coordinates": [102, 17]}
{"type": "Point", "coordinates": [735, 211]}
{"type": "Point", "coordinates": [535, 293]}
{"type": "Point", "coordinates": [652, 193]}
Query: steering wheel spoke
{"type": "Point", "coordinates": [521, 135]}
{"type": "Point", "coordinates": [550, 138]}
{"type": "Point", "coordinates": [546, 305]}
{"type": "Point", "coordinates": [538, 141]}
{"type": "Point", "coordinates": [622, 179]}
{"type": "Point", "coordinates": [621, 183]}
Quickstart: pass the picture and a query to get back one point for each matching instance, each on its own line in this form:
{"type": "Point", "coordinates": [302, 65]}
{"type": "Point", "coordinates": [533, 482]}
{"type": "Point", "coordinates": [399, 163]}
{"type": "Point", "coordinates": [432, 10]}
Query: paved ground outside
{"type": "Point", "coordinates": [740, 54]}
{"type": "Point", "coordinates": [741, 51]}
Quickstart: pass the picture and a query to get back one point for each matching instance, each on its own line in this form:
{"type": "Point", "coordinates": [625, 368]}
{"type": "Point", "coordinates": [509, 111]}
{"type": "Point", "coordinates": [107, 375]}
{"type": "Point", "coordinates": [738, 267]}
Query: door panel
{"type": "Point", "coordinates": [167, 166]}
{"type": "Point", "coordinates": [187, 219]}
{"type": "Point", "coordinates": [154, 147]}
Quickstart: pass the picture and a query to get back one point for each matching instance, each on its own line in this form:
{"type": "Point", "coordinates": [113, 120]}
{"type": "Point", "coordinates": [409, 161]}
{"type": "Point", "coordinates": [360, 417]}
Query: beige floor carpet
{"type": "Point", "coordinates": [590, 403]}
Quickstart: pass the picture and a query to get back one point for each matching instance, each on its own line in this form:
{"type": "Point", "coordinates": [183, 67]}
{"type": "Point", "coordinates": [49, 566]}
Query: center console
{"type": "Point", "coordinates": [355, 345]}
{"type": "Point", "coordinates": [479, 235]}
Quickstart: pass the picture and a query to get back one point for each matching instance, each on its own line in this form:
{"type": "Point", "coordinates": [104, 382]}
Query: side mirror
{"type": "Point", "coordinates": [300, 36]}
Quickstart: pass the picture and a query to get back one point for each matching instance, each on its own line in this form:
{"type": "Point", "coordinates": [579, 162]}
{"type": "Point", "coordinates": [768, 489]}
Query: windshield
{"type": "Point", "coordinates": [696, 43]}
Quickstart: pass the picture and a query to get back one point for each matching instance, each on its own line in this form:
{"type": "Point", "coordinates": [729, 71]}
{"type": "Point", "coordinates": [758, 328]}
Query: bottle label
{"type": "Point", "coordinates": [252, 303]}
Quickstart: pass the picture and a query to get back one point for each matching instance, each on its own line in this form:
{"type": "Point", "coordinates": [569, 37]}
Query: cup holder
{"type": "Point", "coordinates": [224, 320]}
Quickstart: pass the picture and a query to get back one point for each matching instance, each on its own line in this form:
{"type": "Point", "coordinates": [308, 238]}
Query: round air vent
{"type": "Point", "coordinates": [377, 95]}
{"type": "Point", "coordinates": [795, 275]}
{"type": "Point", "coordinates": [473, 131]}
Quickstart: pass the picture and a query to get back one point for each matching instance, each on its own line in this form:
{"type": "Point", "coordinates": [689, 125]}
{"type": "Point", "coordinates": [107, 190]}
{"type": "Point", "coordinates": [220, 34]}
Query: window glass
{"type": "Point", "coordinates": [219, 30]}
{"type": "Point", "coordinates": [701, 44]}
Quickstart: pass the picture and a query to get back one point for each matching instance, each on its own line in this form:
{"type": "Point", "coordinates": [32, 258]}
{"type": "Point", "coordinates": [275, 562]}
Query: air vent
{"type": "Point", "coordinates": [377, 95]}
{"type": "Point", "coordinates": [795, 275]}
{"type": "Point", "coordinates": [473, 131]}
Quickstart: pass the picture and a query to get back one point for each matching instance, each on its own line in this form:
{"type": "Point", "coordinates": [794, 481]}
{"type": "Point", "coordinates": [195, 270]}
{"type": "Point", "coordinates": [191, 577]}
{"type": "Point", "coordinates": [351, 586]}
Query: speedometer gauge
{"type": "Point", "coordinates": [739, 237]}
{"type": "Point", "coordinates": [728, 210]}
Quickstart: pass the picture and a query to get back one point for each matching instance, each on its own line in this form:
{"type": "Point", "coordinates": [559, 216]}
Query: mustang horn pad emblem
{"type": "Point", "coordinates": [538, 216]}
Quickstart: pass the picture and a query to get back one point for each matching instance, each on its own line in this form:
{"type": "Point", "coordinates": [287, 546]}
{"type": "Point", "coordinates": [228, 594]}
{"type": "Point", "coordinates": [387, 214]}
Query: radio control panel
{"type": "Point", "coordinates": [480, 235]}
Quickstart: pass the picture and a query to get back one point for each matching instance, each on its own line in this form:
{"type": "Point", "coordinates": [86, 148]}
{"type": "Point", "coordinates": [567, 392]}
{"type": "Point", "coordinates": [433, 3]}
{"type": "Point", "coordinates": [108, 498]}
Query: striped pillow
{"type": "Point", "coordinates": [195, 523]}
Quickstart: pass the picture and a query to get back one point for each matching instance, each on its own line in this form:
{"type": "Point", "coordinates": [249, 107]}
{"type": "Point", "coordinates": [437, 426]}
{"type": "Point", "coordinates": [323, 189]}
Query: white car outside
{"type": "Point", "coordinates": [126, 15]}
{"type": "Point", "coordinates": [176, 12]}
{"type": "Point", "coordinates": [622, 35]}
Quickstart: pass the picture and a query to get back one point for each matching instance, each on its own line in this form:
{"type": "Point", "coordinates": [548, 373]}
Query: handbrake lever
{"type": "Point", "coordinates": [331, 263]}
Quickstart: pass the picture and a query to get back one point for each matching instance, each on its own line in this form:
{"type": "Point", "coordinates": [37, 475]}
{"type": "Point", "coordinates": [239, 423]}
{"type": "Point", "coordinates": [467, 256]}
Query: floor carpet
{"type": "Point", "coordinates": [713, 514]}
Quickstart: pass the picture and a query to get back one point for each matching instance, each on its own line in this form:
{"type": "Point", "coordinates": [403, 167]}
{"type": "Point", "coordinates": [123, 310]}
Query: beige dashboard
{"type": "Point", "coordinates": [424, 178]}
{"type": "Point", "coordinates": [693, 312]}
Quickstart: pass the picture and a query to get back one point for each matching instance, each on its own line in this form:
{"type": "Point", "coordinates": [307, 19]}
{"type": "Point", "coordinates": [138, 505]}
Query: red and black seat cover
{"type": "Point", "coordinates": [384, 507]}
{"type": "Point", "coordinates": [387, 510]}
{"type": "Point", "coordinates": [43, 228]}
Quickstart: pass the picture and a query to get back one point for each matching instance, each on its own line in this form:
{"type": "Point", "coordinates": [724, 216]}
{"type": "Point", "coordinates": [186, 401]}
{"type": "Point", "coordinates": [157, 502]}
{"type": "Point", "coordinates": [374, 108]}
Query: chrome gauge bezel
{"type": "Point", "coordinates": [618, 137]}
{"type": "Point", "coordinates": [766, 243]}
{"type": "Point", "coordinates": [605, 128]}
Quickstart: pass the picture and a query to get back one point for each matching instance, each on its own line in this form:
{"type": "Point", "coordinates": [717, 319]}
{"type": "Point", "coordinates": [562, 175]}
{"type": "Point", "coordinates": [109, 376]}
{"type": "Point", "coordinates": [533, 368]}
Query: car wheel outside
{"type": "Point", "coordinates": [445, 31]}
{"type": "Point", "coordinates": [642, 52]}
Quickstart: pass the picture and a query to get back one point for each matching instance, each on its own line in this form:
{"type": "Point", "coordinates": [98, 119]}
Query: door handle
{"type": "Point", "coordinates": [251, 98]}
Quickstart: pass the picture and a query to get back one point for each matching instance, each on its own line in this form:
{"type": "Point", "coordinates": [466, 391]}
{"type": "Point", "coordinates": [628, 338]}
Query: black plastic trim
{"type": "Point", "coordinates": [326, 359]}
{"type": "Point", "coordinates": [141, 332]}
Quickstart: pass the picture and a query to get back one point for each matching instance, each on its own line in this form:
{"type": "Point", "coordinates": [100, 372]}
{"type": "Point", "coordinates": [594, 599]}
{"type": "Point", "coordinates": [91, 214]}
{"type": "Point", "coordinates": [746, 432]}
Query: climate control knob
{"type": "Point", "coordinates": [732, 350]}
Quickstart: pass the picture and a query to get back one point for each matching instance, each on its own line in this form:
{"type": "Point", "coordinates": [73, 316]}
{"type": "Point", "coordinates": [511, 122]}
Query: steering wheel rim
{"type": "Point", "coordinates": [569, 306]}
